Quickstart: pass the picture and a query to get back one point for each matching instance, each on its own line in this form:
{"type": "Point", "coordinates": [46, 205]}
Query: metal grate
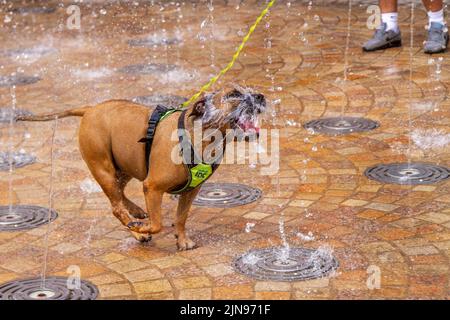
{"type": "Point", "coordinates": [341, 125]}
{"type": "Point", "coordinates": [296, 264]}
{"type": "Point", "coordinates": [23, 217]}
{"type": "Point", "coordinates": [7, 113]}
{"type": "Point", "coordinates": [16, 158]}
{"type": "Point", "coordinates": [33, 10]}
{"type": "Point", "coordinates": [153, 42]}
{"type": "Point", "coordinates": [150, 68]}
{"type": "Point", "coordinates": [56, 288]}
{"type": "Point", "coordinates": [17, 80]}
{"type": "Point", "coordinates": [164, 100]}
{"type": "Point", "coordinates": [408, 173]}
{"type": "Point", "coordinates": [24, 53]}
{"type": "Point", "coordinates": [226, 195]}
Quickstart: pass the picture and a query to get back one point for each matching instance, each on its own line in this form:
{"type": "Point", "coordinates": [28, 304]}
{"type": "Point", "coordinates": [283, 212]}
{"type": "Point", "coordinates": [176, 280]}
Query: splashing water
{"type": "Point", "coordinates": [430, 139]}
{"type": "Point", "coordinates": [89, 186]}
{"type": "Point", "coordinates": [50, 206]}
{"type": "Point", "coordinates": [178, 33]}
{"type": "Point", "coordinates": [210, 5]}
{"type": "Point", "coordinates": [87, 242]}
{"type": "Point", "coordinates": [11, 158]}
{"type": "Point", "coordinates": [249, 226]}
{"type": "Point", "coordinates": [425, 106]}
{"type": "Point", "coordinates": [306, 237]}
{"type": "Point", "coordinates": [411, 55]}
{"type": "Point", "coordinates": [438, 65]}
{"type": "Point", "coordinates": [284, 251]}
{"type": "Point", "coordinates": [11, 147]}
{"type": "Point", "coordinates": [347, 45]}
{"type": "Point", "coordinates": [179, 76]}
{"type": "Point", "coordinates": [127, 244]}
{"type": "Point", "coordinates": [161, 38]}
{"type": "Point", "coordinates": [91, 74]}
{"type": "Point", "coordinates": [250, 258]}
{"type": "Point", "coordinates": [269, 73]}
{"type": "Point", "coordinates": [283, 254]}
{"type": "Point", "coordinates": [323, 253]}
{"type": "Point", "coordinates": [31, 55]}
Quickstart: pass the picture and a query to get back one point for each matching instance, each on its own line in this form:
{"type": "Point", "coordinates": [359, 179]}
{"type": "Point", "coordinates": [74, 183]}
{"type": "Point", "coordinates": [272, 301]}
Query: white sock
{"type": "Point", "coordinates": [437, 16]}
{"type": "Point", "coordinates": [391, 19]}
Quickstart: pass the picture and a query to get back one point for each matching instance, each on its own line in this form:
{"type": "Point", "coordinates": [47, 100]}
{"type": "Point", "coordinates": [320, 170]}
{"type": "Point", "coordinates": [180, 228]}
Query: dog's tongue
{"type": "Point", "coordinates": [249, 126]}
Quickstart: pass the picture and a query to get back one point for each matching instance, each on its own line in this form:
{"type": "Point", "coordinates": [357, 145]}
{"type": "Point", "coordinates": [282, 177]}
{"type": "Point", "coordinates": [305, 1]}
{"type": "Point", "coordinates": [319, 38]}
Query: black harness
{"type": "Point", "coordinates": [198, 171]}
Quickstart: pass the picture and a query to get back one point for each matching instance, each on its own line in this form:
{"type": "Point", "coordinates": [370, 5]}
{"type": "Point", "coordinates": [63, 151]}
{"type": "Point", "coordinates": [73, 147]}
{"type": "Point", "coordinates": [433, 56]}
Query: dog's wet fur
{"type": "Point", "coordinates": [108, 138]}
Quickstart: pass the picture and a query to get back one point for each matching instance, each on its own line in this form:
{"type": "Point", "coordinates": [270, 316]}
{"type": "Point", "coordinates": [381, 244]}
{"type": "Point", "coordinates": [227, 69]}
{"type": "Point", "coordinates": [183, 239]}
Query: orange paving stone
{"type": "Point", "coordinates": [233, 292]}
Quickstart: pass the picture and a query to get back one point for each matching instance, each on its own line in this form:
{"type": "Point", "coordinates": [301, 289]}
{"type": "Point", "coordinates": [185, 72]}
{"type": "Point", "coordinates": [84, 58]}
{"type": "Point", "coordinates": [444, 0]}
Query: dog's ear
{"type": "Point", "coordinates": [199, 108]}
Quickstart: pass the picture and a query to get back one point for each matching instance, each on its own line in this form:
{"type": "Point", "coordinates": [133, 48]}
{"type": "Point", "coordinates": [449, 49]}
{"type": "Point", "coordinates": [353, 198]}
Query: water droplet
{"type": "Point", "coordinates": [249, 226]}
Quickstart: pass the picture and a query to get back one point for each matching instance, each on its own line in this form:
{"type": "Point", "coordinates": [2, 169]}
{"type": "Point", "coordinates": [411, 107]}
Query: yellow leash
{"type": "Point", "coordinates": [233, 60]}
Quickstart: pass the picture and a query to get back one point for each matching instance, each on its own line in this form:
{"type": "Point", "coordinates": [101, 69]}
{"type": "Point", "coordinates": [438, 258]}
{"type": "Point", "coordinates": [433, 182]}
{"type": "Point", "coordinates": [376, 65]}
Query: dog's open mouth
{"type": "Point", "coordinates": [249, 126]}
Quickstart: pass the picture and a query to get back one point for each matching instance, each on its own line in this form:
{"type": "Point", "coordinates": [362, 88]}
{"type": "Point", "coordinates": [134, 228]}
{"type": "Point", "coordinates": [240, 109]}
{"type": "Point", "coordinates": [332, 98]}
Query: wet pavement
{"type": "Point", "coordinates": [297, 59]}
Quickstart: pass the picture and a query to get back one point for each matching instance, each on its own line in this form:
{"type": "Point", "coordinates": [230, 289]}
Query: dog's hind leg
{"type": "Point", "coordinates": [106, 176]}
{"type": "Point", "coordinates": [102, 168]}
{"type": "Point", "coordinates": [184, 204]}
{"type": "Point", "coordinates": [107, 179]}
{"type": "Point", "coordinates": [133, 208]}
{"type": "Point", "coordinates": [153, 201]}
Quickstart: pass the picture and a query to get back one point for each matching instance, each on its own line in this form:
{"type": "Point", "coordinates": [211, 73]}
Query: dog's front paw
{"type": "Point", "coordinates": [142, 237]}
{"type": "Point", "coordinates": [143, 227]}
{"type": "Point", "coordinates": [185, 244]}
{"type": "Point", "coordinates": [135, 225]}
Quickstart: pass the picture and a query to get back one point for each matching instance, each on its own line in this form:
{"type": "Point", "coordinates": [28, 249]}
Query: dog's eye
{"type": "Point", "coordinates": [259, 98]}
{"type": "Point", "coordinates": [233, 94]}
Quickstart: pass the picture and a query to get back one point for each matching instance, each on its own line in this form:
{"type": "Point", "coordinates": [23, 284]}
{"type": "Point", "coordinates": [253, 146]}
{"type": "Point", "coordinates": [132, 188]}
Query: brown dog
{"type": "Point", "coordinates": [108, 138]}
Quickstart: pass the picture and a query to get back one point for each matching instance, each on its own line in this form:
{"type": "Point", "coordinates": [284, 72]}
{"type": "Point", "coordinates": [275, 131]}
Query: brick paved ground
{"type": "Point", "coordinates": [403, 230]}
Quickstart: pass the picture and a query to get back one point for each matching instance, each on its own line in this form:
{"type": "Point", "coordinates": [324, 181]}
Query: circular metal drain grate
{"type": "Point", "coordinates": [18, 160]}
{"type": "Point", "coordinates": [7, 113]}
{"type": "Point", "coordinates": [341, 125]}
{"type": "Point", "coordinates": [150, 68]}
{"type": "Point", "coordinates": [408, 173]}
{"type": "Point", "coordinates": [226, 195]}
{"type": "Point", "coordinates": [56, 288]}
{"type": "Point", "coordinates": [24, 217]}
{"type": "Point", "coordinates": [153, 42]}
{"type": "Point", "coordinates": [27, 53]}
{"type": "Point", "coordinates": [299, 264]}
{"type": "Point", "coordinates": [165, 100]}
{"type": "Point", "coordinates": [35, 10]}
{"type": "Point", "coordinates": [17, 80]}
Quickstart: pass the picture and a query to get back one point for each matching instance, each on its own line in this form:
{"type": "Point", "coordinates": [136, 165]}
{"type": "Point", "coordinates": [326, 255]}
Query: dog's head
{"type": "Point", "coordinates": [237, 109]}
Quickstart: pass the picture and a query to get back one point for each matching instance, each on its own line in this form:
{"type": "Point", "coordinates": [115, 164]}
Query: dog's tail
{"type": "Point", "coordinates": [77, 112]}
